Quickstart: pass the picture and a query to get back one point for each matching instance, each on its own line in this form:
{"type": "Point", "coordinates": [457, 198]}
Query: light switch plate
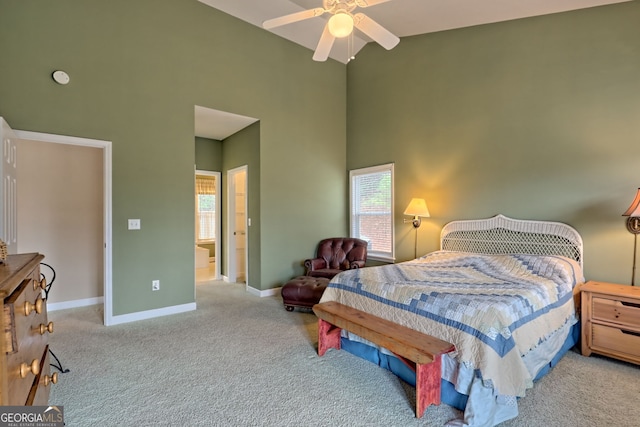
{"type": "Point", "coordinates": [134, 224]}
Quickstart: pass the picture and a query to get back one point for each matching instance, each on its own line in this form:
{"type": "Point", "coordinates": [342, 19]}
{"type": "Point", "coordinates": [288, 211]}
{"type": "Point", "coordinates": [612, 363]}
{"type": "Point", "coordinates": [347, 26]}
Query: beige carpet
{"type": "Point", "coordinates": [241, 360]}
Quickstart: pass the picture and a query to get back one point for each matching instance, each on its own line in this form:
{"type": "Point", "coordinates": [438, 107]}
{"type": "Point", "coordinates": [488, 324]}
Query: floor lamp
{"type": "Point", "coordinates": [417, 209]}
{"type": "Point", "coordinates": [633, 225]}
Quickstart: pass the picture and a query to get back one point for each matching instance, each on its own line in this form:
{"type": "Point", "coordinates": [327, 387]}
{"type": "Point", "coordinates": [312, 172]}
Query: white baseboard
{"type": "Point", "coordinates": [256, 292]}
{"type": "Point", "coordinates": [265, 293]}
{"type": "Point", "coordinates": [53, 306]}
{"type": "Point", "coordinates": [150, 314]}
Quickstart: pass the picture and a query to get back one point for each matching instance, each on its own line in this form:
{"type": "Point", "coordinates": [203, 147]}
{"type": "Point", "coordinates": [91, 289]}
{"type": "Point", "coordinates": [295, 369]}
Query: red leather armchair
{"type": "Point", "coordinates": [335, 255]}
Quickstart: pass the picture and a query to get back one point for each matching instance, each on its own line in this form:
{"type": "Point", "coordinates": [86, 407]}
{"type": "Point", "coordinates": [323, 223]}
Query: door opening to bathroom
{"type": "Point", "coordinates": [237, 259]}
{"type": "Point", "coordinates": [207, 226]}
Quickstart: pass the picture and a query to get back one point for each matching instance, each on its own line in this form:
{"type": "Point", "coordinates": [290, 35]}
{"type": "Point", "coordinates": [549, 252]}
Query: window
{"type": "Point", "coordinates": [205, 209]}
{"type": "Point", "coordinates": [372, 209]}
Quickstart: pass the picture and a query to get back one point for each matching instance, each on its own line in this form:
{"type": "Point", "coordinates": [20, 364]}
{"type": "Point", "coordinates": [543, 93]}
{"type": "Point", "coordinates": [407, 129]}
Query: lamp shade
{"type": "Point", "coordinates": [340, 25]}
{"type": "Point", "coordinates": [417, 207]}
{"type": "Point", "coordinates": [634, 209]}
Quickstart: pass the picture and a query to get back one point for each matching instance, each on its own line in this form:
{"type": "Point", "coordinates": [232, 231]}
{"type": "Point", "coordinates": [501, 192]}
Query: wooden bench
{"type": "Point", "coordinates": [420, 352]}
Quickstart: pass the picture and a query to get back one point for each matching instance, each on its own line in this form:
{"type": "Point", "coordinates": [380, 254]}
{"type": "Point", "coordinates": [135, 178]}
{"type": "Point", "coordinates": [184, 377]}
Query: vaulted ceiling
{"type": "Point", "coordinates": [402, 17]}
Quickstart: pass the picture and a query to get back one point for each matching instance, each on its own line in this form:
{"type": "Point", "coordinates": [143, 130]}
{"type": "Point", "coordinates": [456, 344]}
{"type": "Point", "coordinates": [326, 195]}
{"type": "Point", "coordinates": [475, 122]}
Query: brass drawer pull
{"type": "Point", "coordinates": [45, 328]}
{"type": "Point", "coordinates": [29, 307]}
{"type": "Point", "coordinates": [42, 284]}
{"type": "Point", "coordinates": [53, 379]}
{"type": "Point", "coordinates": [33, 368]}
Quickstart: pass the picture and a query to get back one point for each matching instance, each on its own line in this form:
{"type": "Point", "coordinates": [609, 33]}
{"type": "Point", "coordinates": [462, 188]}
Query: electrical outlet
{"type": "Point", "coordinates": [134, 224]}
{"type": "Point", "coordinates": [155, 285]}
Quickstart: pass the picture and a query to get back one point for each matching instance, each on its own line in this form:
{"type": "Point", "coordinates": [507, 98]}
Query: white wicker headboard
{"type": "Point", "coordinates": [503, 235]}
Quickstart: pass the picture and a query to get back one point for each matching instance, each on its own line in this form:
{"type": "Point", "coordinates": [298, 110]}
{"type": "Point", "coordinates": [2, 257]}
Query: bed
{"type": "Point", "coordinates": [503, 291]}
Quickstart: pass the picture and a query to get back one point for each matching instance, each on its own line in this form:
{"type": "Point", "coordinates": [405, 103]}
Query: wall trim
{"type": "Point", "coordinates": [257, 292]}
{"type": "Point", "coordinates": [150, 314]}
{"type": "Point", "coordinates": [106, 147]}
{"type": "Point", "coordinates": [266, 293]}
{"type": "Point", "coordinates": [63, 305]}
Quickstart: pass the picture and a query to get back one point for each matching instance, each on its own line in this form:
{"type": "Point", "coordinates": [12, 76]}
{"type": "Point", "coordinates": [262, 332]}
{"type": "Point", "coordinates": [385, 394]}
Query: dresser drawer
{"type": "Point", "coordinates": [617, 341]}
{"type": "Point", "coordinates": [39, 394]}
{"type": "Point", "coordinates": [617, 311]}
{"type": "Point", "coordinates": [23, 368]}
{"type": "Point", "coordinates": [24, 312]}
{"type": "Point", "coordinates": [26, 336]}
{"type": "Point", "coordinates": [24, 329]}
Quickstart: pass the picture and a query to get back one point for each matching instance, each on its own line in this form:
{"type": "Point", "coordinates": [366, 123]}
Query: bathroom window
{"type": "Point", "coordinates": [205, 209]}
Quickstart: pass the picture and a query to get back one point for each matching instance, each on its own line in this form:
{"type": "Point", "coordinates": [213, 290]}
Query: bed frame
{"type": "Point", "coordinates": [504, 235]}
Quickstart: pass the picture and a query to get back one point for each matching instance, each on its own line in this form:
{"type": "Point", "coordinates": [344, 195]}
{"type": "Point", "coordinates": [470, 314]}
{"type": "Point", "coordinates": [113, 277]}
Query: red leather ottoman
{"type": "Point", "coordinates": [303, 291]}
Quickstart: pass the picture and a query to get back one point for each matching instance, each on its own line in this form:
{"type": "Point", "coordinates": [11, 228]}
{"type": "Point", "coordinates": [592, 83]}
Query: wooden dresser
{"type": "Point", "coordinates": [611, 320]}
{"type": "Point", "coordinates": [24, 363]}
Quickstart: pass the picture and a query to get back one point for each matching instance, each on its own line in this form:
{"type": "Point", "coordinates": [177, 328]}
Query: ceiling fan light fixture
{"type": "Point", "coordinates": [340, 25]}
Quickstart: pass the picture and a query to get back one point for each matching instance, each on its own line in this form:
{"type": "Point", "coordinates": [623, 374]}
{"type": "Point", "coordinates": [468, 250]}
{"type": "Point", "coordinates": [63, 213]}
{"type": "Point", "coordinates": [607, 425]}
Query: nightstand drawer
{"type": "Point", "coordinates": [617, 311]}
{"type": "Point", "coordinates": [611, 320]}
{"type": "Point", "coordinates": [616, 340]}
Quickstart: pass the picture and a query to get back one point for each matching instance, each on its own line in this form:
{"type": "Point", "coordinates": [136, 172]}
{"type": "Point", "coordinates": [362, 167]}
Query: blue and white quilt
{"type": "Point", "coordinates": [498, 310]}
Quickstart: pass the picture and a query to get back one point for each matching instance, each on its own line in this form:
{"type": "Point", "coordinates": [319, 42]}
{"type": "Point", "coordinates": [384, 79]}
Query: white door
{"type": "Point", "coordinates": [237, 225]}
{"type": "Point", "coordinates": [8, 188]}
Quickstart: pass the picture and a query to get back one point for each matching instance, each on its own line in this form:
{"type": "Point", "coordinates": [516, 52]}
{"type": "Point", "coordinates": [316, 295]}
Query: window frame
{"type": "Point", "coordinates": [388, 256]}
{"type": "Point", "coordinates": [216, 227]}
{"type": "Point", "coordinates": [212, 213]}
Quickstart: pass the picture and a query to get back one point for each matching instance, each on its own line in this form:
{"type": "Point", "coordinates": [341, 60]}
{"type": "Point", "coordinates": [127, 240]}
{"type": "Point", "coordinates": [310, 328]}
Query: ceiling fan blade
{"type": "Point", "coordinates": [368, 3]}
{"type": "Point", "coordinates": [293, 17]}
{"type": "Point", "coordinates": [324, 45]}
{"type": "Point", "coordinates": [377, 32]}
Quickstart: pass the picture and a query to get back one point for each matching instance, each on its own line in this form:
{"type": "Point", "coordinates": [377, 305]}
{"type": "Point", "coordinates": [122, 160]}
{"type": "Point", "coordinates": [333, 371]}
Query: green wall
{"type": "Point", "coordinates": [243, 149]}
{"type": "Point", "coordinates": [137, 70]}
{"type": "Point", "coordinates": [536, 118]}
{"type": "Point", "coordinates": [209, 158]}
{"type": "Point", "coordinates": [208, 154]}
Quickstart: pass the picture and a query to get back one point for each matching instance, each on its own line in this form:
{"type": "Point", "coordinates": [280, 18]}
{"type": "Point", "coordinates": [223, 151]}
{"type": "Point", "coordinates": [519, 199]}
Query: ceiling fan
{"type": "Point", "coordinates": [340, 24]}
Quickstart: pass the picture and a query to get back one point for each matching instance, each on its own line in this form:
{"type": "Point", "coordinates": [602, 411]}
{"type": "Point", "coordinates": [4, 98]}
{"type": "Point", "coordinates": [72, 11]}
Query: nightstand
{"type": "Point", "coordinates": [611, 320]}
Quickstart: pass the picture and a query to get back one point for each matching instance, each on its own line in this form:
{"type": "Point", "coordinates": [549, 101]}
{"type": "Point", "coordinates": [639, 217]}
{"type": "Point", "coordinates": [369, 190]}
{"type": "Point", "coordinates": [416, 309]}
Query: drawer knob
{"type": "Point", "coordinates": [34, 368]}
{"type": "Point", "coordinates": [29, 307]}
{"type": "Point", "coordinates": [53, 379]}
{"type": "Point", "coordinates": [42, 284]}
{"type": "Point", "coordinates": [45, 328]}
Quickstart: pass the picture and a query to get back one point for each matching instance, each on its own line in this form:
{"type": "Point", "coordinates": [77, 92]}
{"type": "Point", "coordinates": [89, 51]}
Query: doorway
{"type": "Point", "coordinates": [207, 226]}
{"type": "Point", "coordinates": [106, 151]}
{"type": "Point", "coordinates": [237, 223]}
